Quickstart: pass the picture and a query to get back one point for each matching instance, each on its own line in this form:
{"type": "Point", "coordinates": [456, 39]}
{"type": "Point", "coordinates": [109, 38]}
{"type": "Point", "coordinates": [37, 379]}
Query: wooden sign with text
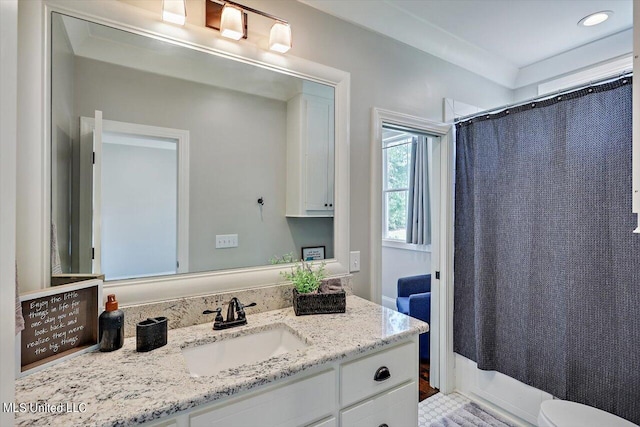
{"type": "Point", "coordinates": [59, 322]}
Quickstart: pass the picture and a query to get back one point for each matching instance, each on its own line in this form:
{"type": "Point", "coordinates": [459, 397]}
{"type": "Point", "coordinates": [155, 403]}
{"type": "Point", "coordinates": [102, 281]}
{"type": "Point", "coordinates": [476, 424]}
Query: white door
{"type": "Point", "coordinates": [139, 221]}
{"type": "Point", "coordinates": [96, 229]}
{"type": "Point", "coordinates": [441, 327]}
{"type": "Point", "coordinates": [441, 248]}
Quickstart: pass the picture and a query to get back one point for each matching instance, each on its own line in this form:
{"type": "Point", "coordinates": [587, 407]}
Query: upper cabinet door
{"type": "Point", "coordinates": [319, 161]}
{"type": "Point", "coordinates": [310, 156]}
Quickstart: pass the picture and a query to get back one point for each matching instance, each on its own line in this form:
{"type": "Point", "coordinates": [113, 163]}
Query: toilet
{"type": "Point", "coordinates": [562, 413]}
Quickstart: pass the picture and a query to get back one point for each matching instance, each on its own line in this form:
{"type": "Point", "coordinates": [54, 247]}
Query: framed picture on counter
{"type": "Point", "coordinates": [312, 253]}
{"type": "Point", "coordinates": [59, 323]}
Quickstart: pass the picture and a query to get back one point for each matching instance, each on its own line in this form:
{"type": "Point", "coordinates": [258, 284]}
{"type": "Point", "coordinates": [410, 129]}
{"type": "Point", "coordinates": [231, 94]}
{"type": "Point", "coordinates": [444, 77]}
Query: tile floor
{"type": "Point", "coordinates": [438, 405]}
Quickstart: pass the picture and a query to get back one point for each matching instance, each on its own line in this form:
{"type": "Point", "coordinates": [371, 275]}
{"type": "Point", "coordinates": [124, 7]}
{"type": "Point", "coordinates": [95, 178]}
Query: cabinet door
{"type": "Point", "coordinates": [290, 405]}
{"type": "Point", "coordinates": [319, 141]}
{"type": "Point", "coordinates": [396, 408]}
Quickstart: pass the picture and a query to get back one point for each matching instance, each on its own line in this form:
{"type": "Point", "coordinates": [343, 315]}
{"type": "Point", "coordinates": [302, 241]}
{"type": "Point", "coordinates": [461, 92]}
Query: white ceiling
{"type": "Point", "coordinates": [512, 42]}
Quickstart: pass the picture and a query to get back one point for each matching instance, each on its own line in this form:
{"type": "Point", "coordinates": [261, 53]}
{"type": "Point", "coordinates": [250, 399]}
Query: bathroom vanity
{"type": "Point", "coordinates": [351, 369]}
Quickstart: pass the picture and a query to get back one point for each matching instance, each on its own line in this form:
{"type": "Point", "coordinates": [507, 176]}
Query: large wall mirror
{"type": "Point", "coordinates": [187, 171]}
{"type": "Point", "coordinates": [168, 159]}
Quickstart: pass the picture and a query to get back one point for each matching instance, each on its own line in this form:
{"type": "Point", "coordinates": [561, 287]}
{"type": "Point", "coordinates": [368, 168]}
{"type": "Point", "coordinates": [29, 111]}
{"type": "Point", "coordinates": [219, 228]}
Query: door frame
{"type": "Point", "coordinates": [441, 325]}
{"type": "Point", "coordinates": [8, 171]}
{"type": "Point", "coordinates": [87, 125]}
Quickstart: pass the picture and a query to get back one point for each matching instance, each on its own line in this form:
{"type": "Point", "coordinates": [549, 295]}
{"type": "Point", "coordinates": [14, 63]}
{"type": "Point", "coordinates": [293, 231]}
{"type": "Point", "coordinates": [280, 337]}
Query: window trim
{"type": "Point", "coordinates": [399, 244]}
{"type": "Point", "coordinates": [442, 245]}
{"type": "Point", "coordinates": [410, 136]}
{"type": "Point", "coordinates": [386, 189]}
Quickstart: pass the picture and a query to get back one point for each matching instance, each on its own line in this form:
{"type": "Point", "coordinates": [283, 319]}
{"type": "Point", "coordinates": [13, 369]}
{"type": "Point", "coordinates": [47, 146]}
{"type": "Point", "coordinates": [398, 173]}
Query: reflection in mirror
{"type": "Point", "coordinates": [161, 153]}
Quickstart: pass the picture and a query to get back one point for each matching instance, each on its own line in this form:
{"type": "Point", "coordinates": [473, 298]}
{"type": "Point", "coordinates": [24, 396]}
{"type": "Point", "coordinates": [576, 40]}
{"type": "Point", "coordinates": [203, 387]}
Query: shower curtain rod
{"type": "Point", "coordinates": [538, 98]}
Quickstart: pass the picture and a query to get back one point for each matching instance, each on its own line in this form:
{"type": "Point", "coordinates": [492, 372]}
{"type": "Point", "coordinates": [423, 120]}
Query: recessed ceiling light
{"type": "Point", "coordinates": [595, 18]}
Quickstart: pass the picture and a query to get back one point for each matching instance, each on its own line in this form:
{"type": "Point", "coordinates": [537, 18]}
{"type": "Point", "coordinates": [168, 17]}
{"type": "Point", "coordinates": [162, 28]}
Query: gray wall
{"type": "Point", "coordinates": [531, 91]}
{"type": "Point", "coordinates": [386, 74]}
{"type": "Point", "coordinates": [237, 154]}
{"type": "Point", "coordinates": [526, 92]}
{"type": "Point", "coordinates": [397, 263]}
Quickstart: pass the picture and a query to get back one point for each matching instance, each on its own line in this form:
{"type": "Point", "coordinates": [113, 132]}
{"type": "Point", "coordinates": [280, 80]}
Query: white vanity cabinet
{"type": "Point", "coordinates": [310, 155]}
{"type": "Point", "coordinates": [331, 422]}
{"type": "Point", "coordinates": [377, 389]}
{"type": "Point", "coordinates": [388, 409]}
{"type": "Point", "coordinates": [290, 405]}
{"type": "Point", "coordinates": [381, 389]}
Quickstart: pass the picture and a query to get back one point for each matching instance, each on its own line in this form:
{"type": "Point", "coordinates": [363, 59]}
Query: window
{"type": "Point", "coordinates": [396, 157]}
{"type": "Point", "coordinates": [405, 187]}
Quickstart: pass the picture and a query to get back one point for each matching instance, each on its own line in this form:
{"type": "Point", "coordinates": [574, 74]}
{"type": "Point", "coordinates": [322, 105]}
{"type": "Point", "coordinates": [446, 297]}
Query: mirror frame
{"type": "Point", "coordinates": [139, 21]}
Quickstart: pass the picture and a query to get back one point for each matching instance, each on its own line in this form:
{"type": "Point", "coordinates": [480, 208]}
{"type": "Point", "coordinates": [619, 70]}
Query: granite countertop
{"type": "Point", "coordinates": [125, 387]}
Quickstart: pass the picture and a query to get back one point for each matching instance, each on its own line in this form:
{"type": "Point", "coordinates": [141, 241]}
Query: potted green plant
{"type": "Point", "coordinates": [287, 258]}
{"type": "Point", "coordinates": [306, 279]}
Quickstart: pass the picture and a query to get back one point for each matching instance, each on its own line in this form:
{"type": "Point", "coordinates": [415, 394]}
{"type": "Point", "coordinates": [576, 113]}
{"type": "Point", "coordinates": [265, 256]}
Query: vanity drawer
{"type": "Point", "coordinates": [290, 405]}
{"type": "Point", "coordinates": [331, 422]}
{"type": "Point", "coordinates": [358, 378]}
{"type": "Point", "coordinates": [396, 408]}
{"type": "Point", "coordinates": [172, 422]}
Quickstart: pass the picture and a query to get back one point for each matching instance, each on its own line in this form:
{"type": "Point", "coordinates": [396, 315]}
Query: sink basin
{"type": "Point", "coordinates": [253, 347]}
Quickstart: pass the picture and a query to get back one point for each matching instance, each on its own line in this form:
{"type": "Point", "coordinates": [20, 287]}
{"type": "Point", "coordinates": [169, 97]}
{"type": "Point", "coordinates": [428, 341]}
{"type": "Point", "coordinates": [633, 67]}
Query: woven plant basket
{"type": "Point", "coordinates": [315, 303]}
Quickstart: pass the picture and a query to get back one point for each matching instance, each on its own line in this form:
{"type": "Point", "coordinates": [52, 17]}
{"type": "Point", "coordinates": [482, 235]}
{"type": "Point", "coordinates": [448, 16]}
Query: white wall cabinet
{"type": "Point", "coordinates": [310, 156]}
{"type": "Point", "coordinates": [342, 394]}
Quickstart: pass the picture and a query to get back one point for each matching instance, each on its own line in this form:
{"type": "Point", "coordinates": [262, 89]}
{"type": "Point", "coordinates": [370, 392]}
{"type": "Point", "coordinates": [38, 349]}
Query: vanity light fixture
{"type": "Point", "coordinates": [280, 37]}
{"type": "Point", "coordinates": [595, 18]}
{"type": "Point", "coordinates": [230, 19]}
{"type": "Point", "coordinates": [174, 11]}
{"type": "Point", "coordinates": [231, 22]}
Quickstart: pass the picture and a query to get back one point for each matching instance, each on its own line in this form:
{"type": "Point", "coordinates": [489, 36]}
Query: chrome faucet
{"type": "Point", "coordinates": [235, 315]}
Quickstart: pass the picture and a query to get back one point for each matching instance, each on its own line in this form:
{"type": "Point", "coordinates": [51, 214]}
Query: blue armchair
{"type": "Point", "coordinates": [414, 299]}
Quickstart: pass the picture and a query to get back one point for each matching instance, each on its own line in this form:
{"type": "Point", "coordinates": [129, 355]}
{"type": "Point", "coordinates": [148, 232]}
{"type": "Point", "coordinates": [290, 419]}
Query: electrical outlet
{"type": "Point", "coordinates": [226, 241]}
{"type": "Point", "coordinates": [354, 261]}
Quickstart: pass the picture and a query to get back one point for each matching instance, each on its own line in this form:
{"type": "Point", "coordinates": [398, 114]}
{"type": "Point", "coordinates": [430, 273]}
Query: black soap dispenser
{"type": "Point", "coordinates": [111, 324]}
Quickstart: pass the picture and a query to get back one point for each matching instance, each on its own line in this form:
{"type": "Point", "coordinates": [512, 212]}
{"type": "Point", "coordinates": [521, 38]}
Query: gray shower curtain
{"type": "Point", "coordinates": [547, 270]}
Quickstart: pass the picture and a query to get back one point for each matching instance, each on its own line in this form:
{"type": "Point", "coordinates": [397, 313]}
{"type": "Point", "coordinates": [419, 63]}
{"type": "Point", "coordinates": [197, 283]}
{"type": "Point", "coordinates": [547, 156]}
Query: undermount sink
{"type": "Point", "coordinates": [253, 347]}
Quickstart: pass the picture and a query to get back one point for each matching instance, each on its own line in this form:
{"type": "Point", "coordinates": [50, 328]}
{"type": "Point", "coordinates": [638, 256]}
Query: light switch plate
{"type": "Point", "coordinates": [354, 261]}
{"type": "Point", "coordinates": [226, 241]}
